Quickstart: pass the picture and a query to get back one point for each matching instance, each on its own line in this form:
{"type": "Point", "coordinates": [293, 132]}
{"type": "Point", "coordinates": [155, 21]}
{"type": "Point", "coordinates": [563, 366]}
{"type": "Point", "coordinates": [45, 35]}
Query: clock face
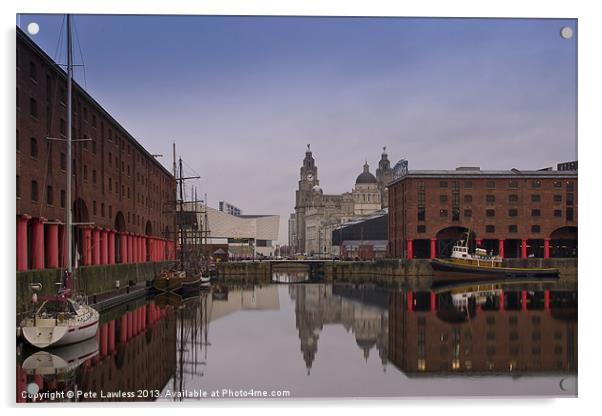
{"type": "Point", "coordinates": [310, 177]}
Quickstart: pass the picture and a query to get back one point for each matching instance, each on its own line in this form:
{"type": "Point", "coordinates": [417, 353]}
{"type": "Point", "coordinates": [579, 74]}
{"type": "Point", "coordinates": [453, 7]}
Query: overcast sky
{"type": "Point", "coordinates": [242, 96]}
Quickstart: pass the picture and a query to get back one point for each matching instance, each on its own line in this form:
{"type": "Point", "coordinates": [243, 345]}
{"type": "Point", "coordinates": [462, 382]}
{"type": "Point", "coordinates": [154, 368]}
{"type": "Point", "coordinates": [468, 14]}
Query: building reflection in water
{"type": "Point", "coordinates": [164, 343]}
{"type": "Point", "coordinates": [135, 348]}
{"type": "Point", "coordinates": [484, 330]}
{"type": "Point", "coordinates": [363, 311]}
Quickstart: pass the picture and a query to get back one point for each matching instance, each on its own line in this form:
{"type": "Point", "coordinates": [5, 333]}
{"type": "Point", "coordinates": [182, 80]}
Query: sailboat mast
{"type": "Point", "coordinates": [181, 215]}
{"type": "Point", "coordinates": [69, 140]}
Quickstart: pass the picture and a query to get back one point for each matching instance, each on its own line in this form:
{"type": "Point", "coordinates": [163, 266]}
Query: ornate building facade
{"type": "Point", "coordinates": [317, 214]}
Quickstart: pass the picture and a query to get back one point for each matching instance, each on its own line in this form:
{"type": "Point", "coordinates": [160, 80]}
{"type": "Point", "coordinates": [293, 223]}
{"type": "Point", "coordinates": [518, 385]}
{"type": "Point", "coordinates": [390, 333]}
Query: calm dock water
{"type": "Point", "coordinates": [318, 340]}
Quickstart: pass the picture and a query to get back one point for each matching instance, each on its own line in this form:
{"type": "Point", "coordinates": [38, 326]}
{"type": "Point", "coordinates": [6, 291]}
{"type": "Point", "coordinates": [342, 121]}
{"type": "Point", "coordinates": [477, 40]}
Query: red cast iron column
{"type": "Point", "coordinates": [95, 245]}
{"type": "Point", "coordinates": [87, 245]}
{"type": "Point", "coordinates": [52, 246]}
{"type": "Point", "coordinates": [104, 246]}
{"type": "Point", "coordinates": [111, 247]}
{"type": "Point", "coordinates": [22, 221]}
{"type": "Point", "coordinates": [38, 243]}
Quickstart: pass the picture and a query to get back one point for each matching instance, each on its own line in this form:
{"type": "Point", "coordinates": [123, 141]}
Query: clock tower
{"type": "Point", "coordinates": [384, 175]}
{"type": "Point", "coordinates": [303, 198]}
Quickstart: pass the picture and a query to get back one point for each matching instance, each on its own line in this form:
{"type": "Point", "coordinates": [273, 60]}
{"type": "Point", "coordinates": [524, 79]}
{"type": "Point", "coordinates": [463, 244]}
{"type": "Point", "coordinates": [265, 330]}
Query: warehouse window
{"type": "Point", "coordinates": [49, 199]}
{"type": "Point", "coordinates": [490, 228]}
{"type": "Point", "coordinates": [33, 107]}
{"type": "Point", "coordinates": [535, 198]}
{"type": "Point", "coordinates": [512, 228]}
{"type": "Point", "coordinates": [490, 212]}
{"type": "Point", "coordinates": [34, 191]}
{"type": "Point", "coordinates": [467, 198]}
{"type": "Point", "coordinates": [33, 148]}
{"type": "Point", "coordinates": [421, 214]}
{"type": "Point", "coordinates": [535, 212]}
{"type": "Point", "coordinates": [490, 198]}
{"type": "Point", "coordinates": [33, 71]}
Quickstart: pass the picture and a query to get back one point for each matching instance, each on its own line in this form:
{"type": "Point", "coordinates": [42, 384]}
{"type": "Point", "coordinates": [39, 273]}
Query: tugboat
{"type": "Point", "coordinates": [464, 265]}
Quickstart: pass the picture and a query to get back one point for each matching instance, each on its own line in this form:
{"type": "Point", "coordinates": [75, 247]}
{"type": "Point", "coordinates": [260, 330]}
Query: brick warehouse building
{"type": "Point", "coordinates": [118, 186]}
{"type": "Point", "coordinates": [516, 214]}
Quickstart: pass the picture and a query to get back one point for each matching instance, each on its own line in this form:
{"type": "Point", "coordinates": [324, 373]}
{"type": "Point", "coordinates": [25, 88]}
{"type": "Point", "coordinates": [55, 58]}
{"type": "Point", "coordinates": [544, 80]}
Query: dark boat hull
{"type": "Point", "coordinates": [446, 270]}
{"type": "Point", "coordinates": [167, 284]}
{"type": "Point", "coordinates": [194, 282]}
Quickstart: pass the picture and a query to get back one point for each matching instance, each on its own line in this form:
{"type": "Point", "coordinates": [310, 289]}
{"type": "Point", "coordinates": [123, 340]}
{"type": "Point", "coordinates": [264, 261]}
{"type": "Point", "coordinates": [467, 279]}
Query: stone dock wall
{"type": "Point", "coordinates": [416, 272]}
{"type": "Point", "coordinates": [92, 280]}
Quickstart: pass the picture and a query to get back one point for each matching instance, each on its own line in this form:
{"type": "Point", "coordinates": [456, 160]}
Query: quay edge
{"type": "Point", "coordinates": [385, 271]}
{"type": "Point", "coordinates": [94, 280]}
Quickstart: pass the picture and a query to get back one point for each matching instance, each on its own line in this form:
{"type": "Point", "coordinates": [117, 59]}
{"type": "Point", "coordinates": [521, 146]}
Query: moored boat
{"type": "Point", "coordinates": [169, 280]}
{"type": "Point", "coordinates": [482, 266]}
{"type": "Point", "coordinates": [60, 321]}
{"type": "Point", "coordinates": [62, 318]}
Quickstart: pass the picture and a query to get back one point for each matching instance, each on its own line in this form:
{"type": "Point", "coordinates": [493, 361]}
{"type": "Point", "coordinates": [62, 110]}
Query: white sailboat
{"type": "Point", "coordinates": [62, 319]}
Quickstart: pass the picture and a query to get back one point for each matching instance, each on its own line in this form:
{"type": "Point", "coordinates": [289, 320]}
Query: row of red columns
{"type": "Point", "coordinates": [130, 324]}
{"type": "Point", "coordinates": [523, 248]}
{"type": "Point", "coordinates": [501, 299]}
{"type": "Point", "coordinates": [98, 245]}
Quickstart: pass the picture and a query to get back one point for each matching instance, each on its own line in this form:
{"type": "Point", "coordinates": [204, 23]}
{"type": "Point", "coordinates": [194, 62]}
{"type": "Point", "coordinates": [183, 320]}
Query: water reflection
{"type": "Point", "coordinates": [134, 349]}
{"type": "Point", "coordinates": [323, 340]}
{"type": "Point", "coordinates": [290, 276]}
{"type": "Point", "coordinates": [484, 330]}
{"type": "Point", "coordinates": [363, 312]}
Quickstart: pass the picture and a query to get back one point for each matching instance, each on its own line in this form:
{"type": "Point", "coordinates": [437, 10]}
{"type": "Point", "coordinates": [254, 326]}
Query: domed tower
{"type": "Point", "coordinates": [366, 196]}
{"type": "Point", "coordinates": [303, 196]}
{"type": "Point", "coordinates": [384, 174]}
